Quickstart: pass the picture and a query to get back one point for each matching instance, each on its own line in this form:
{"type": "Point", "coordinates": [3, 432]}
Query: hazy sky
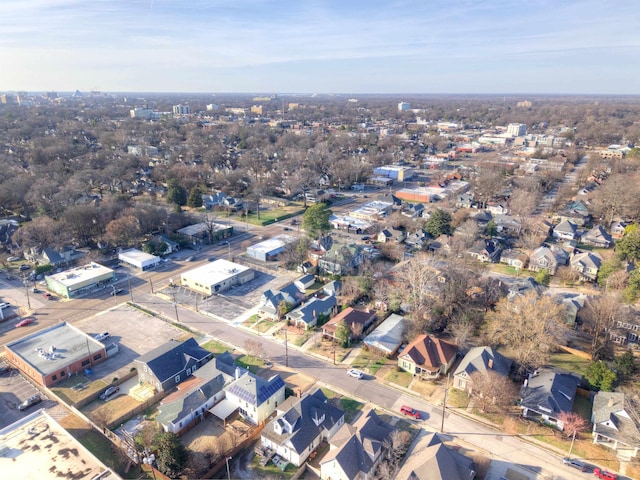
{"type": "Point", "coordinates": [341, 46]}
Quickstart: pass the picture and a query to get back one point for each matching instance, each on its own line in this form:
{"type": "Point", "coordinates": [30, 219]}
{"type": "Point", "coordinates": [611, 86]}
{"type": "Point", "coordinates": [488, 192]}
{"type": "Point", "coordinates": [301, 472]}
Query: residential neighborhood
{"type": "Point", "coordinates": [336, 289]}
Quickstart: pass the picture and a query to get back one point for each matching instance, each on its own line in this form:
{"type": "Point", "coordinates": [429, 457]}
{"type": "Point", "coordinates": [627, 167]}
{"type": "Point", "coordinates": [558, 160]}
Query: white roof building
{"type": "Point", "coordinates": [216, 277]}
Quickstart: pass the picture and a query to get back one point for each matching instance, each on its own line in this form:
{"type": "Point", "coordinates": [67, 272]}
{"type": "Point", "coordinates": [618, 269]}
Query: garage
{"type": "Point", "coordinates": [138, 259]}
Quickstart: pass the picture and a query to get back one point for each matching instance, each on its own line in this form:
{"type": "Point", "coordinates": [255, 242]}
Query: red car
{"type": "Point", "coordinates": [47, 295]}
{"type": "Point", "coordinates": [25, 321]}
{"type": "Point", "coordinates": [411, 412]}
{"type": "Point", "coordinates": [604, 474]}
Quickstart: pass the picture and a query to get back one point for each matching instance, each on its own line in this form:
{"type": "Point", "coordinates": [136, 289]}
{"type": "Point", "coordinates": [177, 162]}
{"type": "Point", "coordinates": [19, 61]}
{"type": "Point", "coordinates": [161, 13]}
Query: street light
{"type": "Point", "coordinates": [226, 459]}
{"type": "Point", "coordinates": [229, 254]}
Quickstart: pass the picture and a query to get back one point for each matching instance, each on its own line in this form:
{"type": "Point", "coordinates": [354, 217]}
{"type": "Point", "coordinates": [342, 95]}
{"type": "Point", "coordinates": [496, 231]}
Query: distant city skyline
{"type": "Point", "coordinates": [466, 47]}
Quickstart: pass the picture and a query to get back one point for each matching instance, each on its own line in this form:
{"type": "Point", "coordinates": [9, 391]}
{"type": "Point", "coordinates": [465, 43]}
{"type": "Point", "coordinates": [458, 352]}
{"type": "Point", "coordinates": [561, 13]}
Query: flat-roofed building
{"type": "Point", "coordinates": [216, 277]}
{"type": "Point", "coordinates": [270, 248]}
{"type": "Point", "coordinates": [79, 280]}
{"type": "Point", "coordinates": [397, 172]}
{"type": "Point", "coordinates": [54, 354]}
{"type": "Point", "coordinates": [139, 259]}
{"type": "Point", "coordinates": [36, 446]}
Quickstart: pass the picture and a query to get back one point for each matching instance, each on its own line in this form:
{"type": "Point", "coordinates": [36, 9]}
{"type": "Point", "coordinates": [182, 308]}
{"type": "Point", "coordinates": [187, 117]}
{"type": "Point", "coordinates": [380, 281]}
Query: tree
{"type": "Point", "coordinates": [600, 315]}
{"type": "Point", "coordinates": [343, 333]}
{"type": "Point", "coordinates": [316, 220]}
{"type": "Point", "coordinates": [631, 291]}
{"type": "Point", "coordinates": [123, 231]}
{"type": "Point", "coordinates": [543, 277]}
{"type": "Point", "coordinates": [530, 326]}
{"type": "Point", "coordinates": [439, 223]}
{"type": "Point", "coordinates": [172, 454]}
{"type": "Point", "coordinates": [195, 197]}
{"type": "Point", "coordinates": [415, 287]}
{"type": "Point", "coordinates": [492, 391]}
{"type": "Point", "coordinates": [600, 376]}
{"type": "Point", "coordinates": [610, 265]}
{"type": "Point", "coordinates": [625, 364]}
{"type": "Point", "coordinates": [573, 424]}
{"type": "Point", "coordinates": [628, 247]}
{"type": "Point", "coordinates": [176, 193]}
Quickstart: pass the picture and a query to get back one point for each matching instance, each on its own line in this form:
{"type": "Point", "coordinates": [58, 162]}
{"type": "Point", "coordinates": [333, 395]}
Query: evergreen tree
{"type": "Point", "coordinates": [439, 223]}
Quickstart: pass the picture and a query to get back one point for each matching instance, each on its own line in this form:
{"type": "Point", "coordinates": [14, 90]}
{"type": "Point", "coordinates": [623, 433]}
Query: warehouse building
{"type": "Point", "coordinates": [79, 280]}
{"type": "Point", "coordinates": [138, 259]}
{"type": "Point", "coordinates": [216, 277]}
{"type": "Point", "coordinates": [270, 249]}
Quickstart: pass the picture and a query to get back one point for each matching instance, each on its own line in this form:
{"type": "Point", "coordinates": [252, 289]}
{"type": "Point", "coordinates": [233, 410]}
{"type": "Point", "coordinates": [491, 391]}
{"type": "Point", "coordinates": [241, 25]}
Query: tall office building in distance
{"type": "Point", "coordinates": [403, 106]}
{"type": "Point", "coordinates": [181, 109]}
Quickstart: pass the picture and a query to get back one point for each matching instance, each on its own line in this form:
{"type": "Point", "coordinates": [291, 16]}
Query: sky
{"type": "Point", "coordinates": [321, 46]}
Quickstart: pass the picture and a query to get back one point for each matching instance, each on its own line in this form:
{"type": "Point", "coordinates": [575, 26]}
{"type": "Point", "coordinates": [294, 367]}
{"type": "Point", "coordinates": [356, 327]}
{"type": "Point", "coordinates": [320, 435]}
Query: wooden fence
{"type": "Point", "coordinates": [222, 462]}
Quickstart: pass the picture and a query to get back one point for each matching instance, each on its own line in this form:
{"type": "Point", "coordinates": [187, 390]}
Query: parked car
{"type": "Point", "coordinates": [572, 462]}
{"type": "Point", "coordinates": [47, 295]}
{"type": "Point", "coordinates": [30, 402]}
{"type": "Point", "coordinates": [25, 321]}
{"type": "Point", "coordinates": [4, 305]}
{"type": "Point", "coordinates": [410, 412]}
{"type": "Point", "coordinates": [355, 373]}
{"type": "Point", "coordinates": [116, 291]}
{"type": "Point", "coordinates": [24, 267]}
{"type": "Point", "coordinates": [605, 474]}
{"type": "Point", "coordinates": [102, 336]}
{"type": "Point", "coordinates": [109, 392]}
{"type": "Point", "coordinates": [13, 259]}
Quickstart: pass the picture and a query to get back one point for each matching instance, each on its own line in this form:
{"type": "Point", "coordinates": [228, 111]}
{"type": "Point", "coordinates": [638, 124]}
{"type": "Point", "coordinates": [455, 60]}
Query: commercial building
{"type": "Point", "coordinates": [181, 110]}
{"type": "Point", "coordinates": [517, 129]}
{"type": "Point", "coordinates": [268, 250]}
{"type": "Point", "coordinates": [54, 354]}
{"type": "Point", "coordinates": [36, 446]}
{"type": "Point", "coordinates": [216, 277]}
{"type": "Point", "coordinates": [79, 280]}
{"type": "Point", "coordinates": [139, 259]}
{"type": "Point", "coordinates": [404, 106]}
{"type": "Point", "coordinates": [396, 172]}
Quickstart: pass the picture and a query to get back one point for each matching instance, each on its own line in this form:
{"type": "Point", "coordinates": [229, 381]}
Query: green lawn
{"type": "Point", "coordinates": [102, 448]}
{"type": "Point", "coordinates": [399, 378]}
{"type": "Point", "coordinates": [350, 406]}
{"type": "Point", "coordinates": [270, 470]}
{"type": "Point", "coordinates": [369, 360]}
{"type": "Point", "coordinates": [215, 346]}
{"type": "Point", "coordinates": [253, 364]}
{"type": "Point", "coordinates": [457, 398]}
{"type": "Point", "coordinates": [570, 362]}
{"type": "Point", "coordinates": [273, 215]}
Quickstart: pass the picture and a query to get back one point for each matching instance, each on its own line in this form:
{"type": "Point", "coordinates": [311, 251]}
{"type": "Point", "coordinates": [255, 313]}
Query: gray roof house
{"type": "Point", "coordinates": [548, 257]}
{"type": "Point", "coordinates": [514, 258]}
{"type": "Point", "coordinates": [301, 424]}
{"type": "Point", "coordinates": [355, 450]}
{"type": "Point", "coordinates": [430, 459]}
{"type": "Point", "coordinates": [597, 237]}
{"type": "Point", "coordinates": [306, 315]}
{"type": "Point", "coordinates": [487, 251]}
{"type": "Point", "coordinates": [614, 425]}
{"type": "Point", "coordinates": [565, 230]}
{"type": "Point", "coordinates": [547, 393]}
{"type": "Point", "coordinates": [271, 299]}
{"type": "Point", "coordinates": [388, 336]}
{"type": "Point", "coordinates": [482, 360]}
{"type": "Point", "coordinates": [196, 395]}
{"type": "Point", "coordinates": [587, 265]}
{"type": "Point", "coordinates": [169, 364]}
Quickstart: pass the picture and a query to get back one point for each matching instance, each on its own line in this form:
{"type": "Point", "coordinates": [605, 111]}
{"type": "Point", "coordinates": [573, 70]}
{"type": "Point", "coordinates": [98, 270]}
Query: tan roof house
{"type": "Point", "coordinates": [428, 357]}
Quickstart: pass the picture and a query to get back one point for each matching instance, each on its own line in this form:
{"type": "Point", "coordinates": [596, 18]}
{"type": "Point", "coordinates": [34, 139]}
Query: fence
{"type": "Point", "coordinates": [222, 462]}
{"type": "Point", "coordinates": [140, 408]}
{"type": "Point", "coordinates": [90, 398]}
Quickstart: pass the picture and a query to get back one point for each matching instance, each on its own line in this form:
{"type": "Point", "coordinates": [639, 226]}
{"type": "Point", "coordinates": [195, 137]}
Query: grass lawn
{"type": "Point", "coordinates": [253, 364]}
{"type": "Point", "coordinates": [270, 470]}
{"type": "Point", "coordinates": [350, 406]}
{"type": "Point", "coordinates": [399, 378]}
{"type": "Point", "coordinates": [263, 326]}
{"type": "Point", "coordinates": [369, 361]}
{"type": "Point", "coordinates": [582, 406]}
{"type": "Point", "coordinates": [457, 398]}
{"type": "Point", "coordinates": [102, 448]}
{"type": "Point", "coordinates": [570, 362]}
{"type": "Point", "coordinates": [215, 346]}
{"type": "Point", "coordinates": [272, 215]}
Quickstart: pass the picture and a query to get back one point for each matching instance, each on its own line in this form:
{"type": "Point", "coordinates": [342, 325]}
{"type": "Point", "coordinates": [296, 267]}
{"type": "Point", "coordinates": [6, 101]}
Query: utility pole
{"type": "Point", "coordinates": [151, 283]}
{"type": "Point", "coordinates": [286, 349]}
{"type": "Point", "coordinates": [444, 403]}
{"type": "Point", "coordinates": [129, 284]}
{"type": "Point", "coordinates": [26, 289]}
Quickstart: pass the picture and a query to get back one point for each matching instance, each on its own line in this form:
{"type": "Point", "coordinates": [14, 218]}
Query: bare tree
{"type": "Point", "coordinates": [462, 329]}
{"type": "Point", "coordinates": [573, 424]}
{"type": "Point", "coordinates": [600, 315]}
{"type": "Point", "coordinates": [415, 284]}
{"type": "Point", "coordinates": [532, 327]}
{"type": "Point", "coordinates": [492, 391]}
{"type": "Point", "coordinates": [254, 348]}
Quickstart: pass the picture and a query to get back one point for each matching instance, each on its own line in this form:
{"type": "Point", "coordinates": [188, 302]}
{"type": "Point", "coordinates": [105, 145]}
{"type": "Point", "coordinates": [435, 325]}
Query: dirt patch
{"type": "Point", "coordinates": [295, 381]}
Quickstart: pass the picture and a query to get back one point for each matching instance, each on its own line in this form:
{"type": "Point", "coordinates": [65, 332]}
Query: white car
{"type": "Point", "coordinates": [102, 336]}
{"type": "Point", "coordinates": [4, 305]}
{"type": "Point", "coordinates": [355, 373]}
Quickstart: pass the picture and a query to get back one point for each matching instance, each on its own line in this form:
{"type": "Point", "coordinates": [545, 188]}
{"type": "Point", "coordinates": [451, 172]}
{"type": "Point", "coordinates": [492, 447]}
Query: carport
{"type": "Point", "coordinates": [223, 409]}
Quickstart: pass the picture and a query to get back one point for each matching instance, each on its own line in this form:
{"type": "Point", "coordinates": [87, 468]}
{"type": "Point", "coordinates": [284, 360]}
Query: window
{"type": "Point", "coordinates": [97, 357]}
{"type": "Point", "coordinates": [54, 377]}
{"type": "Point", "coordinates": [177, 379]}
{"type": "Point", "coordinates": [633, 337]}
{"type": "Point", "coordinates": [63, 373]}
{"type": "Point", "coordinates": [85, 363]}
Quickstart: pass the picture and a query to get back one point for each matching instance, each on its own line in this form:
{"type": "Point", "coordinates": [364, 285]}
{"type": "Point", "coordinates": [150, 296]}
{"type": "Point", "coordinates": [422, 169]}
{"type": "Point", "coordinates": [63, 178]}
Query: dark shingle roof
{"type": "Point", "coordinates": [171, 358]}
{"type": "Point", "coordinates": [550, 392]}
{"type": "Point", "coordinates": [255, 390]}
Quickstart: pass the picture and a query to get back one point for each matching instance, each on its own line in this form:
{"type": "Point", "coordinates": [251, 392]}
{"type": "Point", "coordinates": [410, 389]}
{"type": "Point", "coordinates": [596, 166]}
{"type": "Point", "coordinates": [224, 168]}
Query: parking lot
{"type": "Point", "coordinates": [14, 389]}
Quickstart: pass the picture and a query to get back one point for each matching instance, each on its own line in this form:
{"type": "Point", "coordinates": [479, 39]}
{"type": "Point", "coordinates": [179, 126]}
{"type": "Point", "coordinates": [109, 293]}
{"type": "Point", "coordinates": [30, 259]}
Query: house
{"type": "Point", "coordinates": [255, 397]}
{"type": "Point", "coordinates": [413, 210]}
{"type": "Point", "coordinates": [427, 357]}
{"type": "Point", "coordinates": [304, 282]}
{"type": "Point", "coordinates": [587, 265]}
{"type": "Point", "coordinates": [355, 450]}
{"type": "Point", "coordinates": [597, 237]}
{"type": "Point", "coordinates": [341, 259]}
{"type": "Point", "coordinates": [306, 315]}
{"type": "Point", "coordinates": [614, 425]}
{"type": "Point", "coordinates": [57, 258]}
{"type": "Point", "coordinates": [486, 251]}
{"type": "Point", "coordinates": [572, 304]}
{"type": "Point", "coordinates": [8, 227]}
{"type": "Point", "coordinates": [497, 208]}
{"type": "Point", "coordinates": [464, 200]}
{"type": "Point", "coordinates": [549, 258]}
{"type": "Point", "coordinates": [507, 224]}
{"type": "Point", "coordinates": [203, 390]}
{"type": "Point", "coordinates": [514, 258]}
{"type": "Point", "coordinates": [576, 212]}
{"type": "Point", "coordinates": [565, 230]}
{"type": "Point", "coordinates": [392, 234]}
{"type": "Point", "coordinates": [626, 331]}
{"type": "Point", "coordinates": [443, 245]}
{"type": "Point", "coordinates": [481, 360]}
{"type": "Point", "coordinates": [301, 424]}
{"type": "Point", "coordinates": [430, 459]}
{"type": "Point", "coordinates": [417, 239]}
{"type": "Point", "coordinates": [358, 322]}
{"type": "Point", "coordinates": [388, 336]}
{"type": "Point", "coordinates": [546, 394]}
{"type": "Point", "coordinates": [482, 218]}
{"type": "Point", "coordinates": [617, 229]}
{"type": "Point", "coordinates": [524, 286]}
{"type": "Point", "coordinates": [169, 364]}
{"type": "Point", "coordinates": [272, 305]}
{"type": "Point", "coordinates": [205, 233]}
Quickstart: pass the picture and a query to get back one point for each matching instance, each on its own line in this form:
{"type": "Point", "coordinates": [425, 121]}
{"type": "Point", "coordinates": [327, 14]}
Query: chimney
{"type": "Point", "coordinates": [490, 365]}
{"type": "Point", "coordinates": [299, 393]}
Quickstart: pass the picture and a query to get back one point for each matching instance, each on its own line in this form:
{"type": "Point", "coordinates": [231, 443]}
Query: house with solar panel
{"type": "Point", "coordinates": [254, 397]}
{"type": "Point", "coordinates": [302, 423]}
